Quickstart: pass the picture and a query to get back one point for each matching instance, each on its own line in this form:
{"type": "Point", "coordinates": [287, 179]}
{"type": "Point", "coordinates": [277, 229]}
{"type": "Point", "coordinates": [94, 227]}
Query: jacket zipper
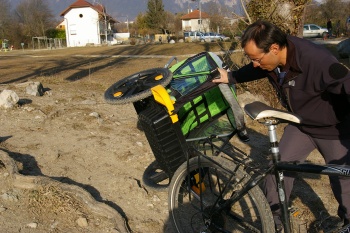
{"type": "Point", "coordinates": [287, 93]}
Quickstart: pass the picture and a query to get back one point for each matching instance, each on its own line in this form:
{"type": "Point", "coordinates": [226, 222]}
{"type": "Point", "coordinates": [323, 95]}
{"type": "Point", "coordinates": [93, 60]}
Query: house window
{"type": "Point", "coordinates": [80, 15]}
{"type": "Point", "coordinates": [73, 29]}
{"type": "Point", "coordinates": [199, 21]}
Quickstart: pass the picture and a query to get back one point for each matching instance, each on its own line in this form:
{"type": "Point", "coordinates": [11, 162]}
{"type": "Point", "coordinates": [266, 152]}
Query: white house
{"type": "Point", "coordinates": [86, 23]}
{"type": "Point", "coordinates": [195, 21]}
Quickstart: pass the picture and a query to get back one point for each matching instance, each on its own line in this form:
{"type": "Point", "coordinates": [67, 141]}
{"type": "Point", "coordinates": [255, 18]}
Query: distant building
{"type": "Point", "coordinates": [86, 24]}
{"type": "Point", "coordinates": [231, 21]}
{"type": "Point", "coordinates": [61, 25]}
{"type": "Point", "coordinates": [195, 21]}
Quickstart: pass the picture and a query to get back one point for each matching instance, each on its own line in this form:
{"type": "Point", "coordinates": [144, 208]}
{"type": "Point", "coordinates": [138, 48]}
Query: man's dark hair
{"type": "Point", "coordinates": [264, 34]}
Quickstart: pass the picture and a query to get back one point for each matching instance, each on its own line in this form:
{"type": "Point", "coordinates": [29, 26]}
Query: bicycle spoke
{"type": "Point", "coordinates": [150, 81]}
{"type": "Point", "coordinates": [129, 90]}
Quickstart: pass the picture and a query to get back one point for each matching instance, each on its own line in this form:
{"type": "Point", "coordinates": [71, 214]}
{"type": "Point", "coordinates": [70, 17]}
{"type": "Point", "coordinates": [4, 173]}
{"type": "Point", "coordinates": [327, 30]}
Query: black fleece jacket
{"type": "Point", "coordinates": [316, 88]}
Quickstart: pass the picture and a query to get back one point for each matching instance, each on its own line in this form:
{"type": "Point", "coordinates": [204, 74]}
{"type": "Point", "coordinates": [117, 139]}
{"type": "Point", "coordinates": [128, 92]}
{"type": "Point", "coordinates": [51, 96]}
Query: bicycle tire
{"type": "Point", "coordinates": [137, 86]}
{"type": "Point", "coordinates": [154, 178]}
{"type": "Point", "coordinates": [250, 214]}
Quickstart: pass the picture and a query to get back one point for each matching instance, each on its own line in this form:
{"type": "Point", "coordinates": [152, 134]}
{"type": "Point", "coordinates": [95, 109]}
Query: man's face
{"type": "Point", "coordinates": [266, 61]}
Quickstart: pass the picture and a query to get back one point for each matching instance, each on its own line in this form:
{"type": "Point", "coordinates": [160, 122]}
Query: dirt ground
{"type": "Point", "coordinates": [71, 136]}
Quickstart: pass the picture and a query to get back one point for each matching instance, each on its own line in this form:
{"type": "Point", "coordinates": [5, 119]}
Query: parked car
{"type": "Point", "coordinates": [209, 36]}
{"type": "Point", "coordinates": [313, 30]}
{"type": "Point", "coordinates": [204, 36]}
{"type": "Point", "coordinates": [193, 36]}
{"type": "Point", "coordinates": [221, 37]}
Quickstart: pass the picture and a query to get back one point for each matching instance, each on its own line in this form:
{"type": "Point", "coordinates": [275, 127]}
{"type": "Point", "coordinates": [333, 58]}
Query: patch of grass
{"type": "Point", "coordinates": [51, 198]}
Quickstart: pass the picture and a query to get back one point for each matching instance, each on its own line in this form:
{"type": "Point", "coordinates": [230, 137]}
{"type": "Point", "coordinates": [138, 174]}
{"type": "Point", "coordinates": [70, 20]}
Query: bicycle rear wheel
{"type": "Point", "coordinates": [194, 207]}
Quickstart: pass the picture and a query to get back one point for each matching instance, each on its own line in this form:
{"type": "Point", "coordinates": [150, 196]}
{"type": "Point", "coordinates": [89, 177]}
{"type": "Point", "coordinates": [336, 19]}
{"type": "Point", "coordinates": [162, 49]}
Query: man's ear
{"type": "Point", "coordinates": [275, 48]}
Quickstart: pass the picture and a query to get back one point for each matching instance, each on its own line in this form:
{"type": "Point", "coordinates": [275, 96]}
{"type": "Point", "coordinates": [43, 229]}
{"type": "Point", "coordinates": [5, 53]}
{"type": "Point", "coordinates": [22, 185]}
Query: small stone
{"type": "Point", "coordinates": [35, 89]}
{"type": "Point", "coordinates": [89, 102]}
{"type": "Point", "coordinates": [54, 224]}
{"type": "Point", "coordinates": [94, 114]}
{"type": "Point", "coordinates": [32, 225]}
{"type": "Point", "coordinates": [2, 209]}
{"type": "Point", "coordinates": [114, 231]}
{"type": "Point", "coordinates": [100, 120]}
{"type": "Point", "coordinates": [139, 144]}
{"type": "Point", "coordinates": [9, 197]}
{"type": "Point", "coordinates": [156, 198]}
{"type": "Point", "coordinates": [8, 99]}
{"type": "Point", "coordinates": [48, 93]}
{"type": "Point", "coordinates": [29, 109]}
{"type": "Point", "coordinates": [82, 222]}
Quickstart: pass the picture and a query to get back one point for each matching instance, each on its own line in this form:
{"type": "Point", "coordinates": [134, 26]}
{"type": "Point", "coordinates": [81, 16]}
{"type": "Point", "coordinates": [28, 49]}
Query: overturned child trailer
{"type": "Point", "coordinates": [176, 107]}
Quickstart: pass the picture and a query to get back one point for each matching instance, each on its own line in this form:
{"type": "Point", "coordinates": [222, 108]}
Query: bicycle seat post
{"type": "Point", "coordinates": [271, 125]}
{"type": "Point", "coordinates": [275, 153]}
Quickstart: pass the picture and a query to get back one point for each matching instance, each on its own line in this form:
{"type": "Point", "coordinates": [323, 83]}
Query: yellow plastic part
{"type": "Point", "coordinates": [198, 187]}
{"type": "Point", "coordinates": [162, 96]}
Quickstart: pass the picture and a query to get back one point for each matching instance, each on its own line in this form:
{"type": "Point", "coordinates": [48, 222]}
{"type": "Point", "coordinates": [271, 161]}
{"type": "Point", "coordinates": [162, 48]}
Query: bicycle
{"type": "Point", "coordinates": [221, 193]}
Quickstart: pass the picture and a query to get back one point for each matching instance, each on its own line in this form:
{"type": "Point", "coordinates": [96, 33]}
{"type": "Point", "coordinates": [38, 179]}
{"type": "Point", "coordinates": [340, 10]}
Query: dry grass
{"type": "Point", "coordinates": [51, 199]}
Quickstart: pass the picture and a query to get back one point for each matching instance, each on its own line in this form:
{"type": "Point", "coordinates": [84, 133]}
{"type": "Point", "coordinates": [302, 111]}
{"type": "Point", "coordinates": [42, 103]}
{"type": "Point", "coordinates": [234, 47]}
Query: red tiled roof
{"type": "Point", "coordinates": [195, 15]}
{"type": "Point", "coordinates": [82, 3]}
{"type": "Point", "coordinates": [77, 4]}
{"type": "Point", "coordinates": [99, 8]}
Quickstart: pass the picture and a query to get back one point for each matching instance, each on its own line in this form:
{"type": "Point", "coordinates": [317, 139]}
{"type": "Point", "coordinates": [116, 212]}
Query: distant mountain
{"type": "Point", "coordinates": [123, 10]}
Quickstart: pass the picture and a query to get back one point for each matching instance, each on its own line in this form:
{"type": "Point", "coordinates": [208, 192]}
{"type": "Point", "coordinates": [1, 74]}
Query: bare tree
{"type": "Point", "coordinates": [313, 13]}
{"type": "Point", "coordinates": [5, 19]}
{"type": "Point", "coordinates": [178, 24]}
{"type": "Point", "coordinates": [287, 14]}
{"type": "Point", "coordinates": [217, 15]}
{"type": "Point", "coordinates": [170, 22]}
{"type": "Point", "coordinates": [34, 16]}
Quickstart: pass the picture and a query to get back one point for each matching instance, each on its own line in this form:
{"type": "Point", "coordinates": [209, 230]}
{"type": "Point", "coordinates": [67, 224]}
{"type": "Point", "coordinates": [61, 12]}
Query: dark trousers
{"type": "Point", "coordinates": [296, 146]}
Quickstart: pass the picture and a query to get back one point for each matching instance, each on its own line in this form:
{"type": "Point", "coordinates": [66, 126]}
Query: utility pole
{"type": "Point", "coordinates": [105, 18]}
{"type": "Point", "coordinates": [125, 21]}
{"type": "Point", "coordinates": [200, 13]}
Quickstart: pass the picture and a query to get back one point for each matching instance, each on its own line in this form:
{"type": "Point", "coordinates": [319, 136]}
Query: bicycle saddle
{"type": "Point", "coordinates": [258, 110]}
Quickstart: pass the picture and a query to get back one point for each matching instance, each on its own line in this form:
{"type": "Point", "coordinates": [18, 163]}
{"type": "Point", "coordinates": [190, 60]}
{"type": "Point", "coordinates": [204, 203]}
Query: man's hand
{"type": "Point", "coordinates": [223, 78]}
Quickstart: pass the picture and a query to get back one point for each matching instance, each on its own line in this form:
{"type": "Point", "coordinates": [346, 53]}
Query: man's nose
{"type": "Point", "coordinates": [255, 64]}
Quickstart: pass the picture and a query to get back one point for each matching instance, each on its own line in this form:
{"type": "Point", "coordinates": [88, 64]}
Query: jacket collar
{"type": "Point", "coordinates": [292, 68]}
{"type": "Point", "coordinates": [292, 63]}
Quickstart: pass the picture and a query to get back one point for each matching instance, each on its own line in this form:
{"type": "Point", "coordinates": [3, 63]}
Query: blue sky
{"type": "Point", "coordinates": [129, 9]}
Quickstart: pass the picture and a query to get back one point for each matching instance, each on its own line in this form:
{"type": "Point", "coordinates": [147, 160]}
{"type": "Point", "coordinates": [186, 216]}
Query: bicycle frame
{"type": "Point", "coordinates": [277, 168]}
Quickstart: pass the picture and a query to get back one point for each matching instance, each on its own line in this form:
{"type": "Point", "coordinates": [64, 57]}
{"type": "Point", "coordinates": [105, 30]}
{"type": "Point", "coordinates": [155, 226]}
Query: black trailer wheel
{"type": "Point", "coordinates": [137, 86]}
